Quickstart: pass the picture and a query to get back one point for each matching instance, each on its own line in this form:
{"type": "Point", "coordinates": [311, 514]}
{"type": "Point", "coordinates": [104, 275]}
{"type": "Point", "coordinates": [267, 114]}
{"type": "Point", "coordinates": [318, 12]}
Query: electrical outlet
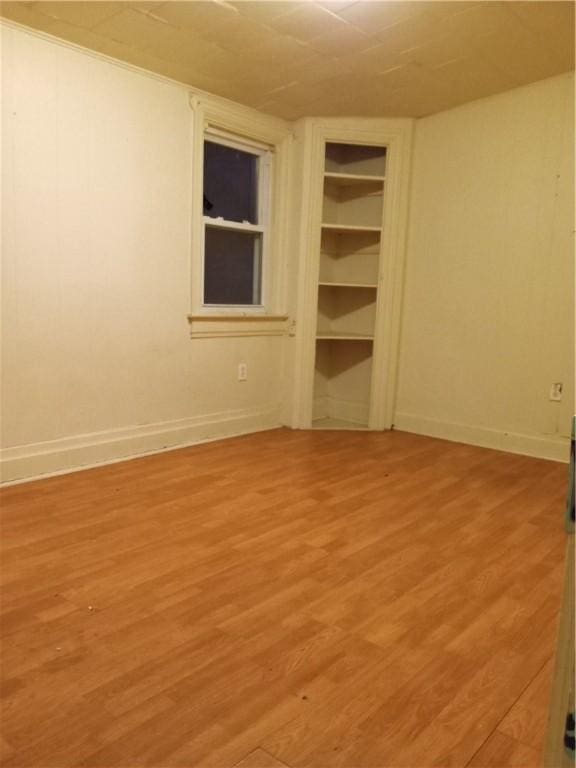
{"type": "Point", "coordinates": [556, 391]}
{"type": "Point", "coordinates": [242, 371]}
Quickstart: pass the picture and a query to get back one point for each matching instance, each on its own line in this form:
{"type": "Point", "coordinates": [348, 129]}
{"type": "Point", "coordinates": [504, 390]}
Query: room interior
{"type": "Point", "coordinates": [287, 382]}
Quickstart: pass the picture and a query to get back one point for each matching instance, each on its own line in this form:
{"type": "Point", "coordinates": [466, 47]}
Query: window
{"type": "Point", "coordinates": [236, 192]}
{"type": "Point", "coordinates": [241, 233]}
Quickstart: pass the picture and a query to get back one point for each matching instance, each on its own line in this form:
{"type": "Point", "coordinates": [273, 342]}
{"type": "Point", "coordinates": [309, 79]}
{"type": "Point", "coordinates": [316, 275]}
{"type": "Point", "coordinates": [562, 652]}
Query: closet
{"type": "Point", "coordinates": [353, 252]}
{"type": "Point", "coordinates": [350, 244]}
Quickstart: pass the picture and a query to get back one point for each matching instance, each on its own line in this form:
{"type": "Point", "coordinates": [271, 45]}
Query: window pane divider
{"type": "Point", "coordinates": [240, 226]}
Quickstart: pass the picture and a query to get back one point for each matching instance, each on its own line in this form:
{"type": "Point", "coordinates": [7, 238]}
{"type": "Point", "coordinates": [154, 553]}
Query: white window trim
{"type": "Point", "coordinates": [267, 137]}
{"type": "Point", "coordinates": [265, 177]}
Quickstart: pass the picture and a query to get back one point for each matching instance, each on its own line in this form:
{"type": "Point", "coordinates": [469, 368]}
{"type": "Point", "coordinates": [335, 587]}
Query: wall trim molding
{"type": "Point", "coordinates": [70, 454]}
{"type": "Point", "coordinates": [213, 99]}
{"type": "Point", "coordinates": [553, 447]}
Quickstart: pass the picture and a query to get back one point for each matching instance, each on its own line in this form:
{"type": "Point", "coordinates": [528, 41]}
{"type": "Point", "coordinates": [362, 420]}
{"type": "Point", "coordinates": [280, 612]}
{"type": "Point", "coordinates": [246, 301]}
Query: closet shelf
{"type": "Point", "coordinates": [340, 336]}
{"type": "Point", "coordinates": [353, 179]}
{"type": "Point", "coordinates": [349, 228]}
{"type": "Point", "coordinates": [333, 284]}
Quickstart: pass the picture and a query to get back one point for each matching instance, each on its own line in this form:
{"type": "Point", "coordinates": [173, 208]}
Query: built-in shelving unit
{"type": "Point", "coordinates": [351, 250]}
{"type": "Point", "coordinates": [348, 283]}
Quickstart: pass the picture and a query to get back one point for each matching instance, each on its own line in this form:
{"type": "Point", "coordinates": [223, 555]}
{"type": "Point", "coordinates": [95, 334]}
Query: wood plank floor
{"type": "Point", "coordinates": [314, 599]}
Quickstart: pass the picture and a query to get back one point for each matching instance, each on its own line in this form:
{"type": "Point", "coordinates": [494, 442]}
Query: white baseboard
{"type": "Point", "coordinates": [29, 462]}
{"type": "Point", "coordinates": [551, 447]}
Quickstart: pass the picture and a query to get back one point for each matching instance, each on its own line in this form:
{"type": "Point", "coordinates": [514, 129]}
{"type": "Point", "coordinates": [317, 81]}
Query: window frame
{"type": "Point", "coordinates": [221, 119]}
{"type": "Point", "coordinates": [264, 185]}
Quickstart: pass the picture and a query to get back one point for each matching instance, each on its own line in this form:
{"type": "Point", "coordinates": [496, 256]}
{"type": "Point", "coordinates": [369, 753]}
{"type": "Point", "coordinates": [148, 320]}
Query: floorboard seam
{"type": "Point", "coordinates": [505, 715]}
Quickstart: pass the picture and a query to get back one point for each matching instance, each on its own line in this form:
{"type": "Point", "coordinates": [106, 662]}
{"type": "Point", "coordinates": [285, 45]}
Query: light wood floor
{"type": "Point", "coordinates": [316, 599]}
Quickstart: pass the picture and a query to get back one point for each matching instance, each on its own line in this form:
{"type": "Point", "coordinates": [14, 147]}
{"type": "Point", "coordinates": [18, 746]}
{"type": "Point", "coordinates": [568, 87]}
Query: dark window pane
{"type": "Point", "coordinates": [230, 183]}
{"type": "Point", "coordinates": [232, 267]}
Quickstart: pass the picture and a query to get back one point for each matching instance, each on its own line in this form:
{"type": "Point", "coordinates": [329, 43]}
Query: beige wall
{"type": "Point", "coordinates": [97, 360]}
{"type": "Point", "coordinates": [488, 314]}
{"type": "Point", "coordinates": [97, 363]}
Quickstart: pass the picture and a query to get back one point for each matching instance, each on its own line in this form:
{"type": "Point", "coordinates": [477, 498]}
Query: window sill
{"type": "Point", "coordinates": [215, 326]}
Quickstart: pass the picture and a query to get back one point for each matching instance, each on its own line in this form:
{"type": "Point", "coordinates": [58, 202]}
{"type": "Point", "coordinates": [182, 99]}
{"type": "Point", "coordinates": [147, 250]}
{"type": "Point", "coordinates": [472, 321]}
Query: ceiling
{"type": "Point", "coordinates": [290, 59]}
